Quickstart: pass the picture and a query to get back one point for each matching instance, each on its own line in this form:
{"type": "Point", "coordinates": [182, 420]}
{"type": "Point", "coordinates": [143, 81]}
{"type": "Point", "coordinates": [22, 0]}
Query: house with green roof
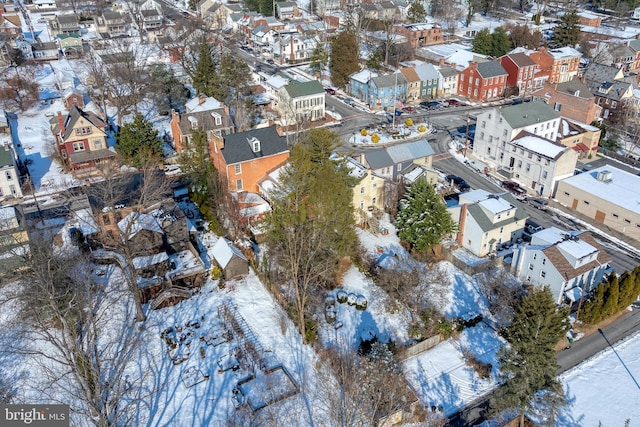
{"type": "Point", "coordinates": [70, 44]}
{"type": "Point", "coordinates": [521, 142]}
{"type": "Point", "coordinates": [300, 102]}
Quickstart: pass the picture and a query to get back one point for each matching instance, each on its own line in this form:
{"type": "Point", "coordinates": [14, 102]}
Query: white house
{"type": "Point", "coordinates": [294, 47]}
{"type": "Point", "coordinates": [301, 101]}
{"type": "Point", "coordinates": [9, 175]}
{"type": "Point", "coordinates": [569, 262]}
{"type": "Point", "coordinates": [485, 220]}
{"type": "Point", "coordinates": [519, 141]}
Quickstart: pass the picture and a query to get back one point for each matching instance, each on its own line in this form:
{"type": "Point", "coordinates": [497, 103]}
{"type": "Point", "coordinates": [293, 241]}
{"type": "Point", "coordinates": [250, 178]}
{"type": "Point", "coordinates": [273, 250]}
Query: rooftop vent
{"type": "Point", "coordinates": [605, 176]}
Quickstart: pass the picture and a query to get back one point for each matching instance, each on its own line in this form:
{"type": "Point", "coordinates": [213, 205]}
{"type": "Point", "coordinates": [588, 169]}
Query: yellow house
{"type": "Point", "coordinates": [581, 137]}
{"type": "Point", "coordinates": [368, 193]}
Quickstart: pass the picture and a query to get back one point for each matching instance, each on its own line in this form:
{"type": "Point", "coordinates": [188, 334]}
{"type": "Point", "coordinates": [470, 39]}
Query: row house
{"type": "Point", "coordinates": [570, 263]}
{"type": "Point", "coordinates": [413, 83]}
{"type": "Point", "coordinates": [572, 100]}
{"type": "Point", "coordinates": [287, 10]}
{"type": "Point", "coordinates": [486, 221]}
{"type": "Point", "coordinates": [609, 87]}
{"type": "Point", "coordinates": [81, 140]}
{"type": "Point", "coordinates": [449, 80]}
{"type": "Point", "coordinates": [390, 162]}
{"type": "Point", "coordinates": [301, 102]}
{"type": "Point", "coordinates": [201, 113]}
{"type": "Point", "coordinates": [263, 38]}
{"type": "Point", "coordinates": [293, 48]}
{"type": "Point", "coordinates": [70, 45]}
{"type": "Point", "coordinates": [386, 91]}
{"type": "Point", "coordinates": [483, 81]}
{"type": "Point", "coordinates": [65, 24]}
{"type": "Point", "coordinates": [635, 45]}
{"type": "Point", "coordinates": [217, 14]}
{"type": "Point", "coordinates": [420, 34]}
{"type": "Point", "coordinates": [521, 69]}
{"type": "Point", "coordinates": [9, 175]}
{"type": "Point", "coordinates": [384, 11]}
{"type": "Point", "coordinates": [430, 80]}
{"type": "Point", "coordinates": [622, 56]}
{"type": "Point", "coordinates": [243, 159]}
{"type": "Point", "coordinates": [520, 142]}
{"type": "Point", "coordinates": [580, 137]}
{"type": "Point", "coordinates": [557, 65]}
{"type": "Point", "coordinates": [358, 85]}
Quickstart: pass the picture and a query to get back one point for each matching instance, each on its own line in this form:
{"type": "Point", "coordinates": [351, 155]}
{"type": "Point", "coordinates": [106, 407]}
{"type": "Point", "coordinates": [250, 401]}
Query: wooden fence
{"type": "Point", "coordinates": [420, 347]}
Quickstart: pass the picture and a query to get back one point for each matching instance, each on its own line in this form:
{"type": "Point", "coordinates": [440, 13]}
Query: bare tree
{"type": "Point", "coordinates": [19, 90]}
{"type": "Point", "coordinates": [502, 291]}
{"type": "Point", "coordinates": [67, 326]}
{"type": "Point", "coordinates": [450, 12]}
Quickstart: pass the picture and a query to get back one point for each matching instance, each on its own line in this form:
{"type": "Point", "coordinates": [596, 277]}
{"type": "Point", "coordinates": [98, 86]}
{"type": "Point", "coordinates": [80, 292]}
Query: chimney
{"type": "Point", "coordinates": [200, 99]}
{"type": "Point", "coordinates": [61, 122]}
{"type": "Point", "coordinates": [461, 223]}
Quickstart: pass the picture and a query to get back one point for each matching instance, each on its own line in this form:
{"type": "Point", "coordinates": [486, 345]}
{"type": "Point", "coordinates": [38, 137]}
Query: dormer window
{"type": "Point", "coordinates": [193, 121]}
{"type": "Point", "coordinates": [217, 117]}
{"type": "Point", "coordinates": [255, 144]}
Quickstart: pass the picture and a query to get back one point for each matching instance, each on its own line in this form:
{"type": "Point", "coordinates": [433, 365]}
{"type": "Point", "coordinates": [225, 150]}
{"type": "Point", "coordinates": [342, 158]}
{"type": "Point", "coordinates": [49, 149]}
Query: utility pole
{"type": "Point", "coordinates": [466, 138]}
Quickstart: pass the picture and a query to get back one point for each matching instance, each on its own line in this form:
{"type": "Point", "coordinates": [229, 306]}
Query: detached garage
{"type": "Point", "coordinates": [229, 258]}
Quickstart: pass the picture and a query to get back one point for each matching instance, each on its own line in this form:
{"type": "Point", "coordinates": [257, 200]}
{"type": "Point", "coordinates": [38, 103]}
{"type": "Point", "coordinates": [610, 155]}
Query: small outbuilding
{"type": "Point", "coordinates": [230, 259]}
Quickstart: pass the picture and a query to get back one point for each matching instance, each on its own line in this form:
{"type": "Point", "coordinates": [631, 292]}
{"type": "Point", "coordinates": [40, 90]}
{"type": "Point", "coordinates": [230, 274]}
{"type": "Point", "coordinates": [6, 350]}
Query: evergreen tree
{"type": "Point", "coordinates": [311, 225]}
{"type": "Point", "coordinates": [423, 220]}
{"type": "Point", "coordinates": [567, 32]}
{"type": "Point", "coordinates": [483, 42]}
{"type": "Point", "coordinates": [611, 297]}
{"type": "Point", "coordinates": [627, 287]}
{"type": "Point", "coordinates": [205, 79]}
{"type": "Point", "coordinates": [166, 90]}
{"type": "Point", "coordinates": [416, 12]}
{"type": "Point", "coordinates": [376, 59]}
{"type": "Point", "coordinates": [234, 74]}
{"type": "Point", "coordinates": [500, 43]}
{"type": "Point", "coordinates": [196, 165]}
{"type": "Point", "coordinates": [344, 58]}
{"type": "Point", "coordinates": [528, 365]}
{"type": "Point", "coordinates": [594, 307]}
{"type": "Point", "coordinates": [138, 142]}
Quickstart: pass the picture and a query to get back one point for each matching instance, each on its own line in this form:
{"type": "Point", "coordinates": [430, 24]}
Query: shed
{"type": "Point", "coordinates": [232, 262]}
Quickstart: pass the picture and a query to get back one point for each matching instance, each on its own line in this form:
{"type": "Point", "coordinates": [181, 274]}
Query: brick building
{"type": "Point", "coordinates": [483, 81]}
{"type": "Point", "coordinates": [572, 100]}
{"type": "Point", "coordinates": [521, 69]}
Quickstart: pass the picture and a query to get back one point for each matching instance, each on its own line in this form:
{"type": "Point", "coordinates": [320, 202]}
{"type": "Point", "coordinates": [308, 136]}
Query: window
{"type": "Point", "coordinates": [78, 146]}
{"type": "Point", "coordinates": [627, 221]}
{"type": "Point", "coordinates": [238, 169]}
{"type": "Point", "coordinates": [557, 106]}
{"type": "Point", "coordinates": [530, 266]}
{"type": "Point", "coordinates": [361, 190]}
{"type": "Point", "coordinates": [85, 130]}
{"type": "Point", "coordinates": [97, 144]}
{"type": "Point", "coordinates": [238, 185]}
{"type": "Point", "coordinates": [501, 228]}
{"type": "Point", "coordinates": [373, 201]}
{"type": "Point", "coordinates": [543, 274]}
{"type": "Point", "coordinates": [528, 167]}
{"type": "Point", "coordinates": [481, 135]}
{"type": "Point", "coordinates": [544, 175]}
{"type": "Point", "coordinates": [9, 175]}
{"type": "Point", "coordinates": [615, 215]}
{"type": "Point", "coordinates": [488, 150]}
{"type": "Point", "coordinates": [544, 261]}
{"type": "Point", "coordinates": [504, 132]}
{"type": "Point", "coordinates": [535, 256]}
{"type": "Point", "coordinates": [484, 124]}
{"type": "Point", "coordinates": [519, 163]}
{"type": "Point", "coordinates": [585, 202]}
{"type": "Point", "coordinates": [362, 204]}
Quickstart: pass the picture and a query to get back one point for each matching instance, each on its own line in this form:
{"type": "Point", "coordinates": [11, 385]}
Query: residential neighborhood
{"type": "Point", "coordinates": [374, 213]}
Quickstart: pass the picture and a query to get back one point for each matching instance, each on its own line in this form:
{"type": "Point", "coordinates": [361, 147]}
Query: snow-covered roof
{"type": "Point", "coordinates": [496, 205]}
{"type": "Point", "coordinates": [199, 104]}
{"type": "Point", "coordinates": [223, 251]}
{"type": "Point", "coordinates": [135, 222]}
{"type": "Point", "coordinates": [149, 260]}
{"type": "Point", "coordinates": [363, 76]}
{"type": "Point", "coordinates": [538, 145]}
{"type": "Point", "coordinates": [86, 222]}
{"type": "Point", "coordinates": [623, 189]}
{"type": "Point", "coordinates": [564, 52]}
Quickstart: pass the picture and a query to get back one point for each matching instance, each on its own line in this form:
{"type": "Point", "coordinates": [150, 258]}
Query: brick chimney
{"type": "Point", "coordinates": [61, 122]}
{"type": "Point", "coordinates": [200, 99]}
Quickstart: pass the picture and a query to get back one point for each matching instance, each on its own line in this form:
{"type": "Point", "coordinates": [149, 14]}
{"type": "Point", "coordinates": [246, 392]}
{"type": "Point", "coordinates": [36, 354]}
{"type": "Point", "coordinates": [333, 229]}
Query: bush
{"type": "Point", "coordinates": [375, 138]}
{"type": "Point", "coordinates": [216, 273]}
{"type": "Point", "coordinates": [311, 330]}
{"type": "Point", "coordinates": [409, 122]}
{"type": "Point", "coordinates": [364, 132]}
{"type": "Point", "coordinates": [342, 297]}
{"type": "Point", "coordinates": [482, 369]}
{"type": "Point", "coordinates": [422, 128]}
{"type": "Point", "coordinates": [415, 332]}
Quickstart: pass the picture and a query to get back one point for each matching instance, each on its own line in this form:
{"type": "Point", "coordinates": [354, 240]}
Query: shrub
{"type": "Point", "coordinates": [409, 122]}
{"type": "Point", "coordinates": [342, 296]}
{"type": "Point", "coordinates": [216, 273]}
{"type": "Point", "coordinates": [482, 369]}
{"type": "Point", "coordinates": [422, 128]}
{"type": "Point", "coordinates": [375, 138]}
{"type": "Point", "coordinates": [311, 330]}
{"type": "Point", "coordinates": [415, 332]}
{"type": "Point", "coordinates": [364, 132]}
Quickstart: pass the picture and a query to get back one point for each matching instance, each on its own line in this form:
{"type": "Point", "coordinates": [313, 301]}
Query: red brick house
{"type": "Point", "coordinates": [521, 71]}
{"type": "Point", "coordinates": [205, 113]}
{"type": "Point", "coordinates": [572, 100]}
{"type": "Point", "coordinates": [72, 98]}
{"type": "Point", "coordinates": [420, 34]}
{"type": "Point", "coordinates": [483, 80]}
{"type": "Point", "coordinates": [244, 158]}
{"type": "Point", "coordinates": [10, 25]}
{"type": "Point", "coordinates": [558, 65]}
{"type": "Point", "coordinates": [81, 140]}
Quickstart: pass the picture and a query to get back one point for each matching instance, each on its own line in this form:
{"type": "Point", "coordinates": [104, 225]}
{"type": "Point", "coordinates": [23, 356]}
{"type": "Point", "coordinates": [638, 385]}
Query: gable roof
{"type": "Point", "coordinates": [521, 59]}
{"type": "Point", "coordinates": [135, 222]}
{"type": "Point", "coordinates": [528, 113]}
{"type": "Point", "coordinates": [562, 265]}
{"type": "Point", "coordinates": [389, 80]}
{"type": "Point", "coordinates": [200, 103]}
{"type": "Point", "coordinates": [296, 89]}
{"type": "Point", "coordinates": [491, 69]}
{"type": "Point", "coordinates": [223, 251]}
{"type": "Point", "coordinates": [598, 73]}
{"type": "Point", "coordinates": [74, 115]}
{"type": "Point", "coordinates": [410, 74]}
{"type": "Point", "coordinates": [575, 88]}
{"type": "Point", "coordinates": [479, 212]}
{"type": "Point", "coordinates": [399, 153]}
{"type": "Point", "coordinates": [237, 148]}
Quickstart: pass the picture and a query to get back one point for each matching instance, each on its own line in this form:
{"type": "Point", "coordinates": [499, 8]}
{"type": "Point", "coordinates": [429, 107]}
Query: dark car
{"type": "Point", "coordinates": [270, 61]}
{"type": "Point", "coordinates": [514, 187]}
{"type": "Point", "coordinates": [408, 109]}
{"type": "Point", "coordinates": [458, 182]}
{"type": "Point", "coordinates": [430, 105]}
{"type": "Point", "coordinates": [330, 91]}
{"type": "Point", "coordinates": [532, 227]}
{"type": "Point", "coordinates": [453, 103]}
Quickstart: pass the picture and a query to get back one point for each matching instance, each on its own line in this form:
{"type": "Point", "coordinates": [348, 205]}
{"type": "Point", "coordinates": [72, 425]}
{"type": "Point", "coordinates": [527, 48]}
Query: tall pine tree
{"type": "Point", "coordinates": [483, 42]}
{"type": "Point", "coordinates": [205, 78]}
{"type": "Point", "coordinates": [500, 43]}
{"type": "Point", "coordinates": [527, 364]}
{"type": "Point", "coordinates": [311, 225]}
{"type": "Point", "coordinates": [138, 142]}
{"type": "Point", "coordinates": [423, 219]}
{"type": "Point", "coordinates": [344, 58]}
{"type": "Point", "coordinates": [567, 32]}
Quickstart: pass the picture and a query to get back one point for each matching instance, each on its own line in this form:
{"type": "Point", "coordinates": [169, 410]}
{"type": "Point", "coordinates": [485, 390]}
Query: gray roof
{"type": "Point", "coordinates": [427, 72]}
{"type": "Point", "coordinates": [485, 223]}
{"type": "Point", "coordinates": [72, 118]}
{"type": "Point", "coordinates": [598, 73]}
{"type": "Point", "coordinates": [613, 91]}
{"type": "Point", "coordinates": [400, 153]}
{"type": "Point", "coordinates": [491, 69]}
{"type": "Point", "coordinates": [297, 89]}
{"type": "Point", "coordinates": [528, 113]}
{"type": "Point", "coordinates": [237, 148]}
{"type": "Point", "coordinates": [447, 71]}
{"type": "Point", "coordinates": [634, 44]}
{"type": "Point", "coordinates": [521, 59]}
{"type": "Point", "coordinates": [389, 80]}
{"type": "Point", "coordinates": [576, 88]}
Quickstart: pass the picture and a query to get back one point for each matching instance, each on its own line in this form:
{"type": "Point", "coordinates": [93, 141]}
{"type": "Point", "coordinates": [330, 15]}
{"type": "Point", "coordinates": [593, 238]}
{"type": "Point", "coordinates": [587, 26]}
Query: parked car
{"type": "Point", "coordinates": [458, 182]}
{"type": "Point", "coordinates": [532, 227]}
{"type": "Point", "coordinates": [330, 90]}
{"type": "Point", "coordinates": [430, 105]}
{"type": "Point", "coordinates": [350, 101]}
{"type": "Point", "coordinates": [270, 61]}
{"type": "Point", "coordinates": [408, 109]}
{"type": "Point", "coordinates": [537, 203]}
{"type": "Point", "coordinates": [454, 103]}
{"type": "Point", "coordinates": [514, 188]}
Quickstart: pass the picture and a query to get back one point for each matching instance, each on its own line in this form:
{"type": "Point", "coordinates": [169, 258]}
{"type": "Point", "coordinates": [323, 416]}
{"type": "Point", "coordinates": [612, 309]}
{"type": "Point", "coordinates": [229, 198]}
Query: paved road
{"type": "Point", "coordinates": [581, 350]}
